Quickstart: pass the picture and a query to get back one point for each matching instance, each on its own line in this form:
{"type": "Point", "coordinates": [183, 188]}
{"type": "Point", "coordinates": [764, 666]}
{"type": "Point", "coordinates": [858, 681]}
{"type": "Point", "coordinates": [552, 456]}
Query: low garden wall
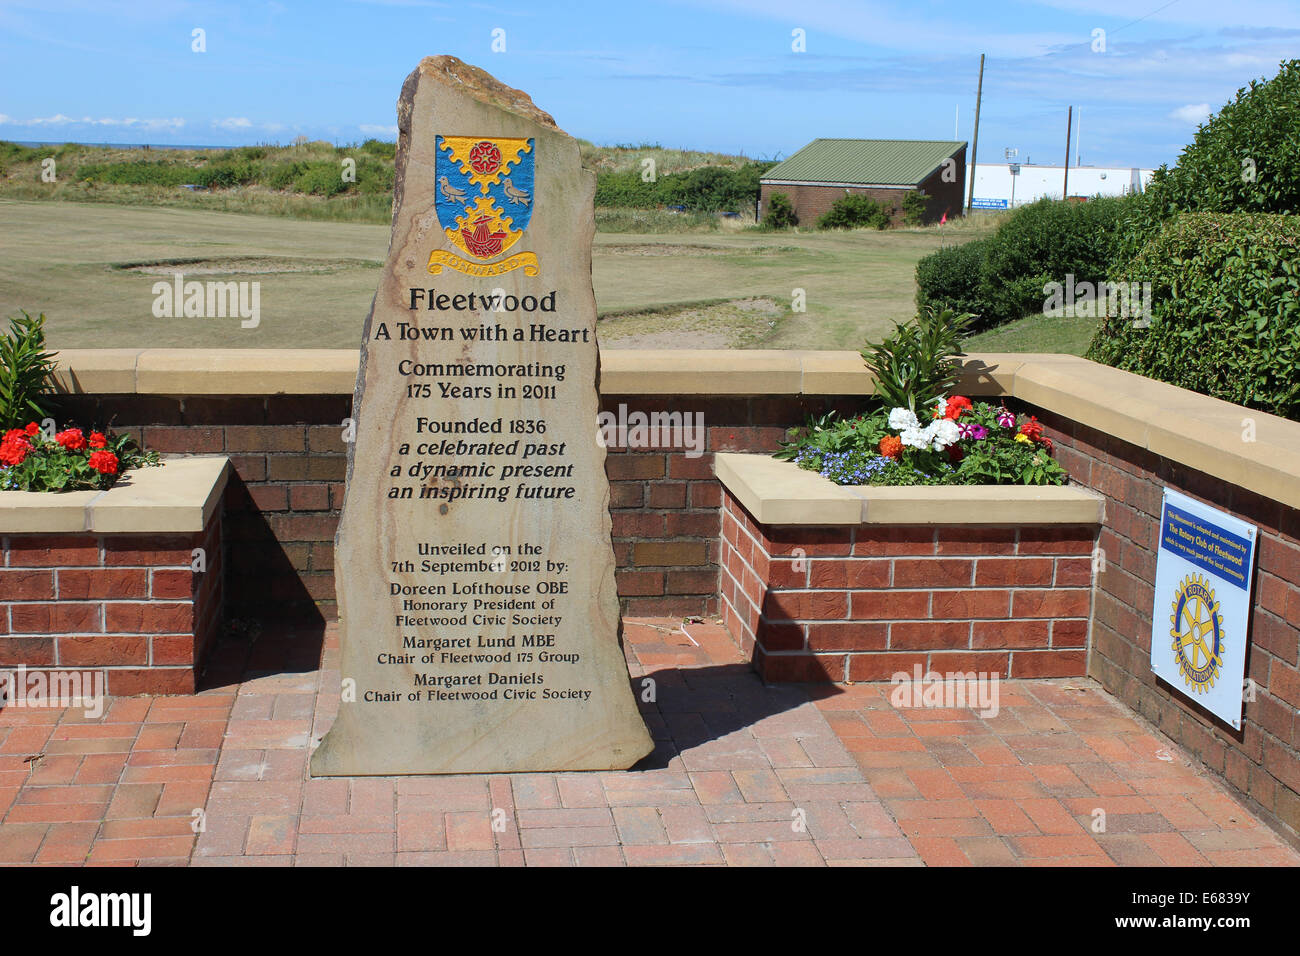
{"type": "Point", "coordinates": [279, 417]}
{"type": "Point", "coordinates": [821, 582]}
{"type": "Point", "coordinates": [127, 582]}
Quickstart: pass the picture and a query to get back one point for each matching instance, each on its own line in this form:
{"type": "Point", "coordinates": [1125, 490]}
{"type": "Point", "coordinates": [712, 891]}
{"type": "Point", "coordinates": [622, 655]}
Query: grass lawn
{"type": "Point", "coordinates": [90, 268]}
{"type": "Point", "coordinates": [1036, 333]}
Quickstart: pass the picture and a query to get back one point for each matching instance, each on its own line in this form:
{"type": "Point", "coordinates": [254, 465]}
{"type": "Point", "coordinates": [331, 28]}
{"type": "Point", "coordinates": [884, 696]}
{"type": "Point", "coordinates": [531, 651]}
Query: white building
{"type": "Point", "coordinates": [1004, 185]}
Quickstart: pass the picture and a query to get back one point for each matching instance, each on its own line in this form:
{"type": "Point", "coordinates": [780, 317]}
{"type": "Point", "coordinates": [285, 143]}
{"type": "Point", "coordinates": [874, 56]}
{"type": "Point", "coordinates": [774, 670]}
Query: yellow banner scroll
{"type": "Point", "coordinates": [527, 260]}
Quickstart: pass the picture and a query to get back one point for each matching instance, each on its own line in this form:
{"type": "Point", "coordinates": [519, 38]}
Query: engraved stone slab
{"type": "Point", "coordinates": [475, 571]}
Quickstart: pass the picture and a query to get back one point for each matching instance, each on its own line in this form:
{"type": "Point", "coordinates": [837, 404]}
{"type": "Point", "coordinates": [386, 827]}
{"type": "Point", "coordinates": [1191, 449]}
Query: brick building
{"type": "Point", "coordinates": [884, 169]}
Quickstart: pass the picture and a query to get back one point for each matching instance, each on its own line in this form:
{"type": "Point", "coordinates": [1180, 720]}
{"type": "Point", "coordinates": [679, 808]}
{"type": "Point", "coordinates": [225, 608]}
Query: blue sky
{"type": "Point", "coordinates": [702, 74]}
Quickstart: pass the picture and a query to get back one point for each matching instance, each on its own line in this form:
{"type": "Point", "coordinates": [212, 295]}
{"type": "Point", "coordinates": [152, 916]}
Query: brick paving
{"type": "Point", "coordinates": [743, 774]}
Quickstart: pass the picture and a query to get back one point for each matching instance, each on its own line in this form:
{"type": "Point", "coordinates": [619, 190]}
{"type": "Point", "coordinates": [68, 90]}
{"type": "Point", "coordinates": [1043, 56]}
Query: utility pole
{"type": "Point", "coordinates": [975, 137]}
{"type": "Point", "coordinates": [1069, 124]}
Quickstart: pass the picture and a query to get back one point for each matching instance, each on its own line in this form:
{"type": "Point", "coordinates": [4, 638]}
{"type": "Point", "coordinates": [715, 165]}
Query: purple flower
{"type": "Point", "coordinates": [971, 430]}
{"type": "Point", "coordinates": [1006, 419]}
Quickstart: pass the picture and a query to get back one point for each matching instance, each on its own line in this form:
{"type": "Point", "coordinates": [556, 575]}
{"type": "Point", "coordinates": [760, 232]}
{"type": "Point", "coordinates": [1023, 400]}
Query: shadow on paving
{"type": "Point", "coordinates": [272, 648]}
{"type": "Point", "coordinates": [698, 706]}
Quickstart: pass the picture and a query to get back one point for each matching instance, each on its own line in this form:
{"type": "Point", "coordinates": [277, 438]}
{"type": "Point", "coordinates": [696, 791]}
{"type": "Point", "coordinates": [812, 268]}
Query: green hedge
{"type": "Point", "coordinates": [1246, 158]}
{"type": "Point", "coordinates": [705, 189]}
{"type": "Point", "coordinates": [950, 278]}
{"type": "Point", "coordinates": [1225, 316]}
{"type": "Point", "coordinates": [1044, 242]}
{"type": "Point", "coordinates": [1001, 278]}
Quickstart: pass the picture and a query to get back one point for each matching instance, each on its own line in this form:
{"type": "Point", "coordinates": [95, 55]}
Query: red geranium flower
{"type": "Point", "coordinates": [97, 440]}
{"type": "Point", "coordinates": [33, 428]}
{"type": "Point", "coordinates": [15, 434]}
{"type": "Point", "coordinates": [1032, 428]}
{"type": "Point", "coordinates": [13, 452]}
{"type": "Point", "coordinates": [72, 439]}
{"type": "Point", "coordinates": [957, 406]}
{"type": "Point", "coordinates": [104, 462]}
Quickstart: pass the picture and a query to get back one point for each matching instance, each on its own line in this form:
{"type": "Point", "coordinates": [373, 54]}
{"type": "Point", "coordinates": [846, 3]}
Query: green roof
{"type": "Point", "coordinates": [886, 162]}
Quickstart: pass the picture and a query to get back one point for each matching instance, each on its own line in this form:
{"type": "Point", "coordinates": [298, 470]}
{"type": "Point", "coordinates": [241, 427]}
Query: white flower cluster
{"type": "Point", "coordinates": [937, 435]}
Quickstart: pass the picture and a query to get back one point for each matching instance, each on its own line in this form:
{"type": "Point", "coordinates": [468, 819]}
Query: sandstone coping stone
{"type": "Point", "coordinates": [178, 496]}
{"type": "Point", "coordinates": [781, 493]}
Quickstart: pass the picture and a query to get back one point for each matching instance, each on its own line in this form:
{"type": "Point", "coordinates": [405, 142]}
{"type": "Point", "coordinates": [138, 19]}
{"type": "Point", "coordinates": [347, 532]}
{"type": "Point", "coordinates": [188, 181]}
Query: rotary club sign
{"type": "Point", "coordinates": [1202, 605]}
{"type": "Point", "coordinates": [484, 203]}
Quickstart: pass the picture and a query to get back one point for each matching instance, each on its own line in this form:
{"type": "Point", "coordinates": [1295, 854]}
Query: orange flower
{"type": "Point", "coordinates": [891, 446]}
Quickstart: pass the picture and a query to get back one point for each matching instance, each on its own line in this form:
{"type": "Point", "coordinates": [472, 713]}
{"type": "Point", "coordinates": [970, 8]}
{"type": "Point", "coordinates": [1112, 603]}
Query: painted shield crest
{"type": "Point", "coordinates": [484, 201]}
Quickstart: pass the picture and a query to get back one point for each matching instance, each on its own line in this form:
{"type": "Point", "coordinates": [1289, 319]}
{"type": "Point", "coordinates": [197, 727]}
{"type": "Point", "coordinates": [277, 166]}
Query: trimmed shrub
{"type": "Point", "coordinates": [780, 212]}
{"type": "Point", "coordinates": [914, 207]}
{"type": "Point", "coordinates": [1246, 158]}
{"type": "Point", "coordinates": [1044, 242]}
{"type": "Point", "coordinates": [855, 211]}
{"type": "Point", "coordinates": [949, 278]}
{"type": "Point", "coordinates": [1225, 315]}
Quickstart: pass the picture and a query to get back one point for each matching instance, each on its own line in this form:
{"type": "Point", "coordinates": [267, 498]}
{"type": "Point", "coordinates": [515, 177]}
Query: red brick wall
{"type": "Point", "coordinates": [1262, 760]}
{"type": "Point", "coordinates": [130, 604]}
{"type": "Point", "coordinates": [863, 603]}
{"type": "Point", "coordinates": [812, 202]}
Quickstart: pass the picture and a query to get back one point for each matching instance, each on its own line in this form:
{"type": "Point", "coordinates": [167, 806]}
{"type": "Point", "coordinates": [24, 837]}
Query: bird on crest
{"type": "Point", "coordinates": [450, 192]}
{"type": "Point", "coordinates": [516, 196]}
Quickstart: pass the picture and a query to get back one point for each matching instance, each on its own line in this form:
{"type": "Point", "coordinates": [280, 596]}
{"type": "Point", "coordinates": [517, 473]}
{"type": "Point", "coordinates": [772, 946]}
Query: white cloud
{"type": "Point", "coordinates": [371, 129]}
{"type": "Point", "coordinates": [1193, 113]}
{"type": "Point", "coordinates": [233, 122]}
{"type": "Point", "coordinates": [130, 122]}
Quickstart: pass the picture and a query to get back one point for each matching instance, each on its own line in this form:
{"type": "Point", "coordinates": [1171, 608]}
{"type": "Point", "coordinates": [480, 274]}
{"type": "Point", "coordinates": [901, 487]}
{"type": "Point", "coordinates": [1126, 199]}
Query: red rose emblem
{"type": "Point", "coordinates": [485, 158]}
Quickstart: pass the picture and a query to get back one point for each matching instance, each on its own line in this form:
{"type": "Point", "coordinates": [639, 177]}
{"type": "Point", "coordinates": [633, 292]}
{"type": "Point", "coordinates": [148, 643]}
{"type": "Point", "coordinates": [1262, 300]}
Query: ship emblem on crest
{"type": "Point", "coordinates": [1197, 631]}
{"type": "Point", "coordinates": [484, 201]}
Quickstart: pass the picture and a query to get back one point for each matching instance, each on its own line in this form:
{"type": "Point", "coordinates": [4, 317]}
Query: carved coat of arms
{"type": "Point", "coordinates": [484, 200]}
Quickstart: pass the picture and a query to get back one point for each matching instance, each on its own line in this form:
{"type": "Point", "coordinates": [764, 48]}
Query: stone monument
{"type": "Point", "coordinates": [475, 571]}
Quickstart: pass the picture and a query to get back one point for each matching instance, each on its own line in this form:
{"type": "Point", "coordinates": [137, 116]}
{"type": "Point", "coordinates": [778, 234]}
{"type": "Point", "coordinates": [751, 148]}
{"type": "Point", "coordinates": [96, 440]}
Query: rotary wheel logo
{"type": "Point", "coordinates": [1197, 631]}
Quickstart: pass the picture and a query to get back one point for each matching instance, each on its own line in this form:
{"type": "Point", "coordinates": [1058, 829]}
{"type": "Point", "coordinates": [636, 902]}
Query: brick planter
{"type": "Point", "coordinates": [862, 601]}
{"type": "Point", "coordinates": [112, 583]}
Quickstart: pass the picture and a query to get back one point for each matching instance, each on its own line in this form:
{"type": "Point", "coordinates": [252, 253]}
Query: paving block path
{"type": "Point", "coordinates": [743, 774]}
